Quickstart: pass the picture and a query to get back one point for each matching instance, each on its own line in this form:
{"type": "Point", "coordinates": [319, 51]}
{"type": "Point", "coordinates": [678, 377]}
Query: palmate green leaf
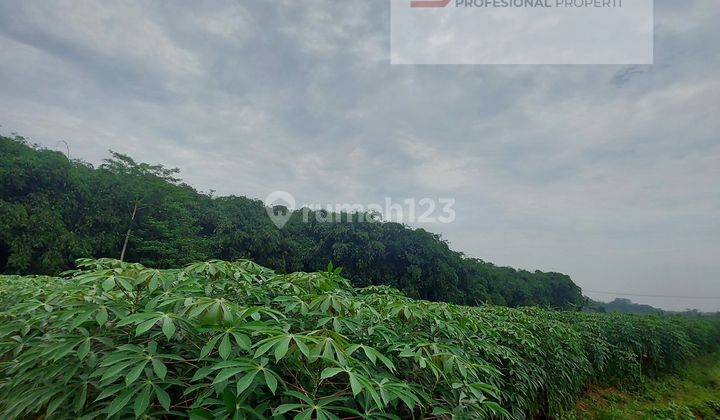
{"type": "Point", "coordinates": [245, 382]}
{"type": "Point", "coordinates": [101, 316]}
{"type": "Point", "coordinates": [163, 397]}
{"type": "Point", "coordinates": [159, 368]}
{"type": "Point", "coordinates": [83, 349]}
{"type": "Point", "coordinates": [201, 373]}
{"type": "Point", "coordinates": [125, 283]}
{"type": "Point", "coordinates": [372, 355]}
{"type": "Point", "coordinates": [237, 362]}
{"type": "Point", "coordinates": [117, 356]}
{"type": "Point", "coordinates": [64, 349]}
{"type": "Point", "coordinates": [281, 348]}
{"type": "Point", "coordinates": [225, 348]}
{"type": "Point", "coordinates": [302, 346]}
{"type": "Point", "coordinates": [135, 372]}
{"type": "Point", "coordinates": [55, 403]}
{"type": "Point", "coordinates": [305, 415]}
{"type": "Point", "coordinates": [109, 390]}
{"type": "Point", "coordinates": [496, 408]}
{"type": "Point", "coordinates": [199, 414]}
{"type": "Point", "coordinates": [208, 347]}
{"type": "Point", "coordinates": [330, 372]}
{"type": "Point", "coordinates": [121, 401]}
{"type": "Point", "coordinates": [227, 373]}
{"type": "Point", "coordinates": [145, 326]}
{"type": "Point", "coordinates": [81, 318]}
{"type": "Point", "coordinates": [108, 284]}
{"type": "Point", "coordinates": [284, 408]}
{"type": "Point", "coordinates": [168, 327]}
{"type": "Point", "coordinates": [354, 384]}
{"type": "Point", "coordinates": [242, 340]}
{"type": "Point", "coordinates": [142, 401]}
{"type": "Point", "coordinates": [270, 380]}
{"type": "Point", "coordinates": [136, 318]}
{"type": "Point", "coordinates": [80, 399]}
{"type": "Point", "coordinates": [441, 411]}
{"type": "Point", "coordinates": [114, 371]}
{"type": "Point", "coordinates": [265, 345]}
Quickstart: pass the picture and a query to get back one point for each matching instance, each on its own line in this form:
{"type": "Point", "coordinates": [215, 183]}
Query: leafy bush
{"type": "Point", "coordinates": [233, 339]}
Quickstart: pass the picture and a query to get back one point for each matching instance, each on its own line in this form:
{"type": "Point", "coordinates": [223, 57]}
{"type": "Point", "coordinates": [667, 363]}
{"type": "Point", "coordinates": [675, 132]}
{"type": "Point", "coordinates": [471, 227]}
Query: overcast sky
{"type": "Point", "coordinates": [608, 173]}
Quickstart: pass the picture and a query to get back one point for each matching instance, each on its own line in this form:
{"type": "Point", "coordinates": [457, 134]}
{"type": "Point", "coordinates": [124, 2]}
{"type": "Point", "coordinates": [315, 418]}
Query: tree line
{"type": "Point", "coordinates": [54, 210]}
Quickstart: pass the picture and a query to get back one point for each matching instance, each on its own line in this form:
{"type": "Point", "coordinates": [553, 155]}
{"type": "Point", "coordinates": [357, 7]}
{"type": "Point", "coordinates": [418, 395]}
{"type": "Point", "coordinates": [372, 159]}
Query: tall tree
{"type": "Point", "coordinates": [141, 186]}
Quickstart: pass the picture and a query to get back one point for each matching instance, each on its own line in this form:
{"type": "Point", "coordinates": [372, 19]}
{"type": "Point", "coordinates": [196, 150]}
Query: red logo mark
{"type": "Point", "coordinates": [429, 3]}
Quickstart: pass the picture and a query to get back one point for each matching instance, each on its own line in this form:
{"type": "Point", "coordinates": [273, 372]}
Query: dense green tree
{"type": "Point", "coordinates": [54, 210]}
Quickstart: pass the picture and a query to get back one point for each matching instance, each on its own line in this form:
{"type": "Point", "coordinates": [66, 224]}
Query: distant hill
{"type": "Point", "coordinates": [625, 306]}
{"type": "Point", "coordinates": [53, 211]}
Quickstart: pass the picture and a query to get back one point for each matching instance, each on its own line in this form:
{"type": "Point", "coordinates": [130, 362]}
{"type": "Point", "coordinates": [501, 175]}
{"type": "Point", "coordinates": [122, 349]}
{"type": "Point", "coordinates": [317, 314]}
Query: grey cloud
{"type": "Point", "coordinates": [608, 173]}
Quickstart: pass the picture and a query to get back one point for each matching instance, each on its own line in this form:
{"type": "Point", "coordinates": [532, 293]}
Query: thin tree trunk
{"type": "Point", "coordinates": [127, 235]}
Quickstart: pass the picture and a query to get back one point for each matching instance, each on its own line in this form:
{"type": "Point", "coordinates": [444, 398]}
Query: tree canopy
{"type": "Point", "coordinates": [54, 210]}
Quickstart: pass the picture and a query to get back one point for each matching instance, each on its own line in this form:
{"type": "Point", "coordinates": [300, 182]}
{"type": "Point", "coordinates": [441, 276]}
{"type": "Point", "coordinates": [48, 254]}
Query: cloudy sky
{"type": "Point", "coordinates": [608, 173]}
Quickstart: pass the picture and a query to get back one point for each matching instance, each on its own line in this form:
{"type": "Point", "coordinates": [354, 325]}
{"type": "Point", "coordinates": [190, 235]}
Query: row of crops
{"type": "Point", "coordinates": [236, 340]}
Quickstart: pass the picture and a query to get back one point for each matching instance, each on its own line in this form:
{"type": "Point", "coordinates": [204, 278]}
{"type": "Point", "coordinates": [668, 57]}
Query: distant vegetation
{"type": "Point", "coordinates": [236, 340]}
{"type": "Point", "coordinates": [53, 211]}
{"type": "Point", "coordinates": [625, 306]}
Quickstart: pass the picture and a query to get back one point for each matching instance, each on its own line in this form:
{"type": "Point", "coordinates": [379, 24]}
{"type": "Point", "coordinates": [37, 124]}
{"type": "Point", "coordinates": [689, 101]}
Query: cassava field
{"type": "Point", "coordinates": [236, 340]}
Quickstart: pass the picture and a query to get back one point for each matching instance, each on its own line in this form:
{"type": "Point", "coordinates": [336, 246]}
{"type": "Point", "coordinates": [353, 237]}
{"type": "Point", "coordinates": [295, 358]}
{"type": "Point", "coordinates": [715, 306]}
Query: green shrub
{"type": "Point", "coordinates": [233, 339]}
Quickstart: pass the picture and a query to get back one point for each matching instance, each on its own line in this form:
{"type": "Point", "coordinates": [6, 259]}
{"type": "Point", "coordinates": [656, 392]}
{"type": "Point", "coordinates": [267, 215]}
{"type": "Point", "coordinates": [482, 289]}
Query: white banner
{"type": "Point", "coordinates": [522, 31]}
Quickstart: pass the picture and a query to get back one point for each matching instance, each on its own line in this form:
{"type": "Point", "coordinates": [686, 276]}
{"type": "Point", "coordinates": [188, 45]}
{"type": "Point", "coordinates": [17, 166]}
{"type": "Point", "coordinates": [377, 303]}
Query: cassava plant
{"type": "Point", "coordinates": [223, 339]}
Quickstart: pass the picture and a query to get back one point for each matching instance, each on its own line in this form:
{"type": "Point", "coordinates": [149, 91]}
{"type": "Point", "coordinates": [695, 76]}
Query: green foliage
{"type": "Point", "coordinates": [688, 393]}
{"type": "Point", "coordinates": [625, 306]}
{"type": "Point", "coordinates": [224, 339]}
{"type": "Point", "coordinates": [53, 211]}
